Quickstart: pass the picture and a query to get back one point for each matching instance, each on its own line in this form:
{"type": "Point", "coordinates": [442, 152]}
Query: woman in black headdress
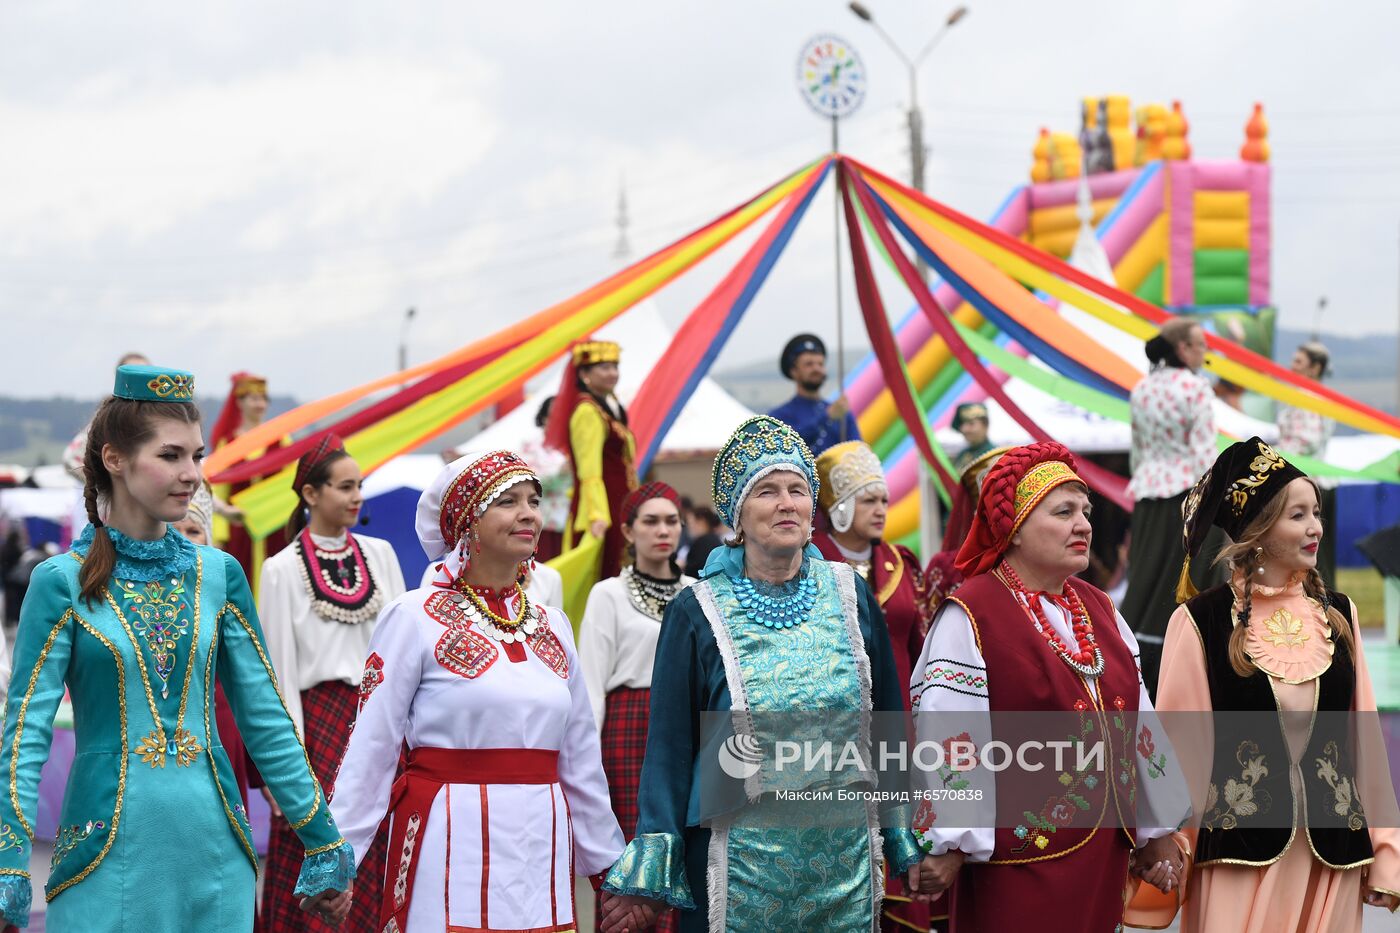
{"type": "Point", "coordinates": [1296, 812]}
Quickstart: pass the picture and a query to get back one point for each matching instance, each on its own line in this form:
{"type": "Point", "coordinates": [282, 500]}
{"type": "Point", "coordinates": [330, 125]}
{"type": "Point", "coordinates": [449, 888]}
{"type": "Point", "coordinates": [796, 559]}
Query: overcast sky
{"type": "Point", "coordinates": [230, 185]}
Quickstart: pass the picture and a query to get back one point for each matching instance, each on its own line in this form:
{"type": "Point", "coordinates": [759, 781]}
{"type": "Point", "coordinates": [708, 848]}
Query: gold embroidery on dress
{"type": "Point", "coordinates": [1345, 802]}
{"type": "Point", "coordinates": [1242, 797]}
{"type": "Point", "coordinates": [1284, 629]}
{"type": "Point", "coordinates": [155, 746]}
{"type": "Point", "coordinates": [159, 623]}
{"type": "Point", "coordinates": [19, 719]}
{"type": "Point", "coordinates": [213, 766]}
{"type": "Point", "coordinates": [56, 890]}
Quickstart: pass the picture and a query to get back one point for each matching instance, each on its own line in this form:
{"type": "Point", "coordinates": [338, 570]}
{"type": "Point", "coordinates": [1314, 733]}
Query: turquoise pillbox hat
{"type": "Point", "coordinates": [153, 384]}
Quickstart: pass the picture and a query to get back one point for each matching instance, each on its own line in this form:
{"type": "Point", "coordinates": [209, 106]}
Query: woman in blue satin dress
{"type": "Point", "coordinates": [136, 623]}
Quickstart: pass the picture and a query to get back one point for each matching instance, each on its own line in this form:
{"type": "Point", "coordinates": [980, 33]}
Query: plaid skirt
{"type": "Point", "coordinates": [624, 743]}
{"type": "Point", "coordinates": [328, 709]}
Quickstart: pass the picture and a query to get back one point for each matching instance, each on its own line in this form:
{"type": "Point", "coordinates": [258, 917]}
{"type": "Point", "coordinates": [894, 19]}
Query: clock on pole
{"type": "Point", "coordinates": [831, 78]}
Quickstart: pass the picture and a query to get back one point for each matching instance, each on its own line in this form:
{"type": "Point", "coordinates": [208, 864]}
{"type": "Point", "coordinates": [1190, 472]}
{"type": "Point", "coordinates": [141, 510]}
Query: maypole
{"type": "Point", "coordinates": [831, 78]}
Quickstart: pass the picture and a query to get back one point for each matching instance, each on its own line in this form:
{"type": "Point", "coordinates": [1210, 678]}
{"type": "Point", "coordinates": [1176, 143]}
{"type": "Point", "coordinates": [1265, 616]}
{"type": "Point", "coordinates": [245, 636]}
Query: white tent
{"type": "Point", "coordinates": [703, 425]}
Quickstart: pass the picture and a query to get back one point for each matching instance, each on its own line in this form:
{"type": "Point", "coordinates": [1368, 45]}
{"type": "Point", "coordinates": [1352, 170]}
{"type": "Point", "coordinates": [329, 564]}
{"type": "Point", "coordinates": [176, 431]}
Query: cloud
{"type": "Point", "coordinates": [342, 140]}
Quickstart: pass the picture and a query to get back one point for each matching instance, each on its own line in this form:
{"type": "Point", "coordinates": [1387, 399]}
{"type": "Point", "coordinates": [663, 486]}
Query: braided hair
{"type": "Point", "coordinates": [124, 425]}
{"type": "Point", "coordinates": [1247, 557]}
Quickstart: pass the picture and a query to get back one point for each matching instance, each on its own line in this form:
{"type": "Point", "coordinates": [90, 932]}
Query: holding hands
{"type": "Point", "coordinates": [627, 913]}
{"type": "Point", "coordinates": [934, 875]}
{"type": "Point", "coordinates": [1160, 863]}
{"type": "Point", "coordinates": [332, 907]}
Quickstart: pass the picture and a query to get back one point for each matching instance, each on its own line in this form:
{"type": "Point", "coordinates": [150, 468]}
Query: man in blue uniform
{"type": "Point", "coordinates": [820, 423]}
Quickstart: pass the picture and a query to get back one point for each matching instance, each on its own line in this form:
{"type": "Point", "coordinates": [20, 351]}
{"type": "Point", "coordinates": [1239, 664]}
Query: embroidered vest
{"type": "Point", "coordinates": [619, 473]}
{"type": "Point", "coordinates": [1250, 774]}
{"type": "Point", "coordinates": [1024, 675]}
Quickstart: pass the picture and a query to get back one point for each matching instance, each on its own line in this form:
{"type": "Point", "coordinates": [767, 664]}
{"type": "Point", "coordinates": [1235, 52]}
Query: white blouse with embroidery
{"type": "Point", "coordinates": [1173, 432]}
{"type": "Point", "coordinates": [494, 856]}
{"type": "Point", "coordinates": [616, 643]}
{"type": "Point", "coordinates": [306, 648]}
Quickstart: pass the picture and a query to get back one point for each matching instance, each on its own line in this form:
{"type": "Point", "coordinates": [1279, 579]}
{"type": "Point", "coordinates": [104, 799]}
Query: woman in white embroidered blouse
{"type": "Point", "coordinates": [1173, 444]}
{"type": "Point", "coordinates": [502, 798]}
{"type": "Point", "coordinates": [319, 599]}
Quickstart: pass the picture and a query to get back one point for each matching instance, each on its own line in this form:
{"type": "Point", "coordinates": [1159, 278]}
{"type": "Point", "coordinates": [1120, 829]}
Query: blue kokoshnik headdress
{"type": "Point", "coordinates": [758, 447]}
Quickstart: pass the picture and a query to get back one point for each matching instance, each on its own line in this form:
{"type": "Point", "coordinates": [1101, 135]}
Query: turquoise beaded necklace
{"type": "Point", "coordinates": [778, 605]}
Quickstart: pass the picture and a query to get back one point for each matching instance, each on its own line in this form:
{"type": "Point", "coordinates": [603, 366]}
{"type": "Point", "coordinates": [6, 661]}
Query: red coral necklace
{"type": "Point", "coordinates": [1087, 659]}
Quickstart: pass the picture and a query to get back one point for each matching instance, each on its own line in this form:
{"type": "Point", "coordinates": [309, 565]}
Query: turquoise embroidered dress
{"type": "Point", "coordinates": [737, 861]}
{"type": "Point", "coordinates": [152, 834]}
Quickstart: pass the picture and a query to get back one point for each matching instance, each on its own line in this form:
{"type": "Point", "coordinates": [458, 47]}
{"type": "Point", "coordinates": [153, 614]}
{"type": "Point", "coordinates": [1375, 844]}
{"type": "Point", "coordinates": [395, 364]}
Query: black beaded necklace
{"type": "Point", "coordinates": [649, 595]}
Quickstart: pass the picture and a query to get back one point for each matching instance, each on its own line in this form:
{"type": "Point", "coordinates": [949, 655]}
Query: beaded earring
{"type": "Point", "coordinates": [1259, 552]}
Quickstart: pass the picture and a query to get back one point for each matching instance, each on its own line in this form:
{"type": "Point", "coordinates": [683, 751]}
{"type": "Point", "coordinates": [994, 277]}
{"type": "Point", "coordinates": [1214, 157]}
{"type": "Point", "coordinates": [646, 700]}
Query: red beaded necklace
{"type": "Point", "coordinates": [1087, 659]}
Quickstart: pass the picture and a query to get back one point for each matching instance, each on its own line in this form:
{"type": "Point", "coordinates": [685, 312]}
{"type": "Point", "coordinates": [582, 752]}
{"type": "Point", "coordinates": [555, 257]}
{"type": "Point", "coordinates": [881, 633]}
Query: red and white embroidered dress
{"type": "Point", "coordinates": [516, 802]}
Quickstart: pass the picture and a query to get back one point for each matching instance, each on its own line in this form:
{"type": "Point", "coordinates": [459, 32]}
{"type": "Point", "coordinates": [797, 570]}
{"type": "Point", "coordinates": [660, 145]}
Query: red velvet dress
{"type": "Point", "coordinates": [1074, 882]}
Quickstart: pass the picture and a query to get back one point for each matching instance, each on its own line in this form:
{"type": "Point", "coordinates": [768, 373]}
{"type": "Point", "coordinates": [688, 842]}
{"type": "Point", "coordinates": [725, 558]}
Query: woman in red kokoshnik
{"type": "Point", "coordinates": [589, 422]}
{"type": "Point", "coordinates": [503, 798]}
{"type": "Point", "coordinates": [319, 600]}
{"type": "Point", "coordinates": [244, 409]}
{"type": "Point", "coordinates": [1022, 634]}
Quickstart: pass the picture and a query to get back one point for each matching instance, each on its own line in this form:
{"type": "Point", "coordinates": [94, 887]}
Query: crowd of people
{"type": "Point", "coordinates": [452, 756]}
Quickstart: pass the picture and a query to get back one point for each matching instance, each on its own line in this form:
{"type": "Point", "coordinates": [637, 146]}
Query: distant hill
{"type": "Point", "coordinates": [34, 432]}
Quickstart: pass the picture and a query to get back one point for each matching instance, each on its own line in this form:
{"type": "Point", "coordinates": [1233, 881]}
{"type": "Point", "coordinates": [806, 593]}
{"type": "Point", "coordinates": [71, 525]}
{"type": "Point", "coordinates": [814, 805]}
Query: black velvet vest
{"type": "Point", "coordinates": [1247, 814]}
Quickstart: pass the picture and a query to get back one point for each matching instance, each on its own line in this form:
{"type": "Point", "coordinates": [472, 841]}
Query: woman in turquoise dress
{"type": "Point", "coordinates": [773, 643]}
{"type": "Point", "coordinates": [137, 623]}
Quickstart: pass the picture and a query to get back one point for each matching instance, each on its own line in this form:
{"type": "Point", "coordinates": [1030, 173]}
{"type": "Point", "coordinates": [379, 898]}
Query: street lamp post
{"type": "Point", "coordinates": [408, 316]}
{"type": "Point", "coordinates": [1317, 318]}
{"type": "Point", "coordinates": [917, 152]}
{"type": "Point", "coordinates": [929, 519]}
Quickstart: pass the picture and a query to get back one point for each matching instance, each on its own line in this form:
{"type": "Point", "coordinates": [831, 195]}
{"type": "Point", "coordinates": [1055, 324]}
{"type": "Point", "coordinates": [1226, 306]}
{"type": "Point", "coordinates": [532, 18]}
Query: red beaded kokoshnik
{"type": "Point", "coordinates": [1087, 659]}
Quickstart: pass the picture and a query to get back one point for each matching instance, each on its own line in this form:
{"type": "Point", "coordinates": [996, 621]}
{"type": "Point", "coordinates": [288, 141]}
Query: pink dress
{"type": "Point", "coordinates": [1298, 893]}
